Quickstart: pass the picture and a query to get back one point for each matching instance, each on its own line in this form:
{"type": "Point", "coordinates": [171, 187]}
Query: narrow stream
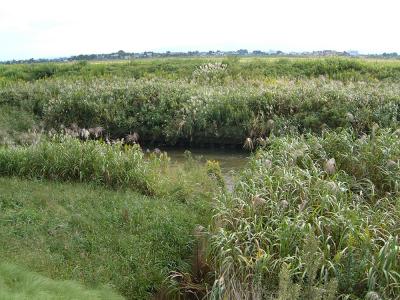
{"type": "Point", "coordinates": [230, 161]}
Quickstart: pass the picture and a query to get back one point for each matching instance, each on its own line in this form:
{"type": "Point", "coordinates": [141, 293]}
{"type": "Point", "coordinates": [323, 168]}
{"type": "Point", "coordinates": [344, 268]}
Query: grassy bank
{"type": "Point", "coordinates": [96, 236]}
{"type": "Point", "coordinates": [65, 158]}
{"type": "Point", "coordinates": [127, 222]}
{"type": "Point", "coordinates": [116, 166]}
{"type": "Point", "coordinates": [19, 284]}
{"type": "Point", "coordinates": [312, 217]}
{"type": "Point", "coordinates": [206, 101]}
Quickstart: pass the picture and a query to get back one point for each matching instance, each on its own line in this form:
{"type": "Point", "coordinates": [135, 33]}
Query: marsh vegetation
{"type": "Point", "coordinates": [314, 214]}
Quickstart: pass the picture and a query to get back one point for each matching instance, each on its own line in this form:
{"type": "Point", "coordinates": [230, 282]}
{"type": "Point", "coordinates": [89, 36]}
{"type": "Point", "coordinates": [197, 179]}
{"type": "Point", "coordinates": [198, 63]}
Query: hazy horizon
{"type": "Point", "coordinates": [42, 30]}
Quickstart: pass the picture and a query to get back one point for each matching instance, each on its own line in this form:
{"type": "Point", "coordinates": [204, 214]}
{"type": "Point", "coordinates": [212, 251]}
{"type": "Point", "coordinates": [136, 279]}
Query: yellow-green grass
{"type": "Point", "coordinates": [182, 68]}
{"type": "Point", "coordinates": [19, 284]}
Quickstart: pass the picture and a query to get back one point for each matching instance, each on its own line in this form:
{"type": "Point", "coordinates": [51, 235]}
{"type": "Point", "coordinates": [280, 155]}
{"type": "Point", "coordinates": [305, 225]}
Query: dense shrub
{"type": "Point", "coordinates": [333, 197]}
{"type": "Point", "coordinates": [167, 111]}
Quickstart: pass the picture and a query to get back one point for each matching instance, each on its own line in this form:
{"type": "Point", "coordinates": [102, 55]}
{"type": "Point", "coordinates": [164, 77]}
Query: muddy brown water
{"type": "Point", "coordinates": [231, 161]}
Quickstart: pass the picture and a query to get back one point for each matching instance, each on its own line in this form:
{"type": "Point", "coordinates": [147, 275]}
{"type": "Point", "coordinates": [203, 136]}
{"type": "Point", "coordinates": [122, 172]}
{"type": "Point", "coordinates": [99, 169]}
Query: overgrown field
{"type": "Point", "coordinates": [314, 215]}
{"type": "Point", "coordinates": [204, 110]}
{"type": "Point", "coordinates": [183, 68]}
{"type": "Point", "coordinates": [321, 212]}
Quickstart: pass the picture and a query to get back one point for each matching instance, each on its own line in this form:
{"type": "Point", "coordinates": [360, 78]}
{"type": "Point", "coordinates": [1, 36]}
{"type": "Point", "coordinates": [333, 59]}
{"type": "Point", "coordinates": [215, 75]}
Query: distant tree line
{"type": "Point", "coordinates": [122, 55]}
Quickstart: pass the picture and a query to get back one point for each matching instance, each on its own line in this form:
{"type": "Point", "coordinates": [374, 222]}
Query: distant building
{"type": "Point", "coordinates": [353, 53]}
{"type": "Point", "coordinates": [258, 52]}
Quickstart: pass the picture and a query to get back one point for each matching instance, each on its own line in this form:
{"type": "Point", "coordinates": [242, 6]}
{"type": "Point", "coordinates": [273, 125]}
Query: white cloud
{"type": "Point", "coordinates": [46, 28]}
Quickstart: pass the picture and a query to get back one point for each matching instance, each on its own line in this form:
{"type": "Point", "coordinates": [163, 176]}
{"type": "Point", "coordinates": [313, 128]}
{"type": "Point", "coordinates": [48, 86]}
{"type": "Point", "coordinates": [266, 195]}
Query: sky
{"type": "Point", "coordinates": [58, 28]}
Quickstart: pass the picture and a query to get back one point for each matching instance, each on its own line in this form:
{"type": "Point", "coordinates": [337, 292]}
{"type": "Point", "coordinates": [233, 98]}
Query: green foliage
{"type": "Point", "coordinates": [17, 126]}
{"type": "Point", "coordinates": [342, 206]}
{"type": "Point", "coordinates": [214, 171]}
{"type": "Point", "coordinates": [165, 111]}
{"type": "Point", "coordinates": [211, 73]}
{"type": "Point", "coordinates": [96, 236]}
{"type": "Point", "coordinates": [70, 159]}
{"type": "Point", "coordinates": [314, 216]}
{"type": "Point", "coordinates": [287, 290]}
{"type": "Point", "coordinates": [18, 284]}
{"type": "Point", "coordinates": [115, 166]}
{"type": "Point", "coordinates": [206, 100]}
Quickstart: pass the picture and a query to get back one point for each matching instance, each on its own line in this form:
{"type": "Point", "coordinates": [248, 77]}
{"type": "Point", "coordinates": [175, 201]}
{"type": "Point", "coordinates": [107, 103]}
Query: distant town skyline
{"type": "Point", "coordinates": [41, 29]}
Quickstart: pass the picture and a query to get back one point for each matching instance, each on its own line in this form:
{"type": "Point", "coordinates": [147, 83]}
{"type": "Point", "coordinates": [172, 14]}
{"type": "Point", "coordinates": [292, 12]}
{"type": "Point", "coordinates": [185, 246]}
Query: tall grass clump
{"type": "Point", "coordinates": [321, 211]}
{"type": "Point", "coordinates": [65, 158]}
{"type": "Point", "coordinates": [116, 165]}
{"type": "Point", "coordinates": [211, 73]}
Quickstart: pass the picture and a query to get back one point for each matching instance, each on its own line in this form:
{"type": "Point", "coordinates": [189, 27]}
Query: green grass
{"type": "Point", "coordinates": [95, 236]}
{"type": "Point", "coordinates": [18, 284]}
{"type": "Point", "coordinates": [206, 101]}
{"type": "Point", "coordinates": [182, 68]}
{"type": "Point", "coordinates": [17, 120]}
{"type": "Point", "coordinates": [291, 207]}
{"type": "Point", "coordinates": [115, 166]}
{"type": "Point", "coordinates": [65, 158]}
